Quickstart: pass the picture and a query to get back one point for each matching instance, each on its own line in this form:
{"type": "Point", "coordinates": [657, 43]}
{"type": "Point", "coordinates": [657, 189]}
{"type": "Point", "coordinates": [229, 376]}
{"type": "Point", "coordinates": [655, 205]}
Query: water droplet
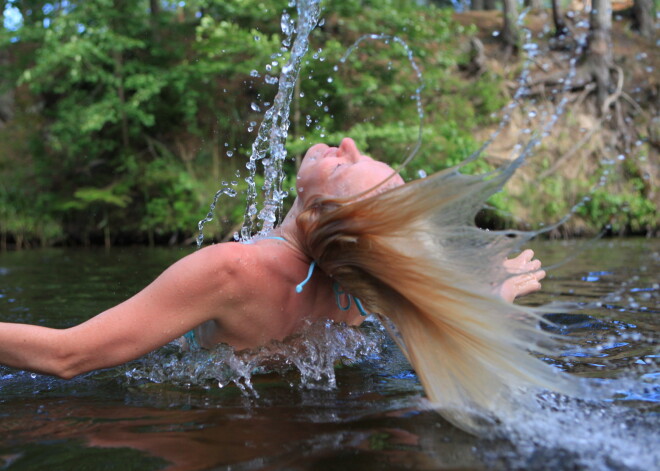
{"type": "Point", "coordinates": [421, 173]}
{"type": "Point", "coordinates": [254, 73]}
{"type": "Point", "coordinates": [321, 22]}
{"type": "Point", "coordinates": [330, 79]}
{"type": "Point", "coordinates": [230, 153]}
{"type": "Point", "coordinates": [496, 34]}
{"type": "Point", "coordinates": [256, 37]}
{"type": "Point", "coordinates": [286, 24]}
{"type": "Point", "coordinates": [255, 107]}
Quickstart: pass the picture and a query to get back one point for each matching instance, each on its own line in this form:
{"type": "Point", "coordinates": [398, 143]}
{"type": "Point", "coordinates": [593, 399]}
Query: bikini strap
{"type": "Point", "coordinates": [336, 289]}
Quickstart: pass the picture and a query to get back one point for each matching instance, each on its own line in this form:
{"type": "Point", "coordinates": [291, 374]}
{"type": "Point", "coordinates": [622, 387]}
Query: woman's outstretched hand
{"type": "Point", "coordinates": [525, 278]}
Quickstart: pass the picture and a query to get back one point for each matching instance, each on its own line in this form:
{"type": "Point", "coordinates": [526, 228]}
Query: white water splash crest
{"type": "Point", "coordinates": [313, 354]}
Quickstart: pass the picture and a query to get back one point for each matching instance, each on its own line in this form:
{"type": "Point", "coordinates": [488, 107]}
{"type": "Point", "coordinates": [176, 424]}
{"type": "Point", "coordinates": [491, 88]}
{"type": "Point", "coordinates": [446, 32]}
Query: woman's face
{"type": "Point", "coordinates": [341, 171]}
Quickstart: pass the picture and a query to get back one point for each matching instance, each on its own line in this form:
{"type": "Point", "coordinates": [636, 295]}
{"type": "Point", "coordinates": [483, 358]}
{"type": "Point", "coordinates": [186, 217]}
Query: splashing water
{"type": "Point", "coordinates": [313, 353]}
{"type": "Point", "coordinates": [555, 432]}
{"type": "Point", "coordinates": [418, 91]}
{"type": "Point", "coordinates": [541, 425]}
{"type": "Point", "coordinates": [269, 146]}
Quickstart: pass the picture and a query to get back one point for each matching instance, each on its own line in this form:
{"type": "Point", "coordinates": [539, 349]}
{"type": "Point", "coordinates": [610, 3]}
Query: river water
{"type": "Point", "coordinates": [370, 414]}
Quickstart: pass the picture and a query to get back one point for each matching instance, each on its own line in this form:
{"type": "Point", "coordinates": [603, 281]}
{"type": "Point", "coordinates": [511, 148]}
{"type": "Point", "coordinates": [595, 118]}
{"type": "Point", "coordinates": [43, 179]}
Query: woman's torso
{"type": "Point", "coordinates": [262, 304]}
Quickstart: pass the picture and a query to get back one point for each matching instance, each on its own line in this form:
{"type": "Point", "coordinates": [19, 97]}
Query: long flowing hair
{"type": "Point", "coordinates": [414, 256]}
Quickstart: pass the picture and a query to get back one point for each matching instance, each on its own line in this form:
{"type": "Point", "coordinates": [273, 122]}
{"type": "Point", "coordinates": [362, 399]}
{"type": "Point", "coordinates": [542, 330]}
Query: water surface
{"type": "Point", "coordinates": [374, 418]}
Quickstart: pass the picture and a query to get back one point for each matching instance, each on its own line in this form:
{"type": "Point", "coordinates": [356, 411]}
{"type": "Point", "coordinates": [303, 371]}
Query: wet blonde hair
{"type": "Point", "coordinates": [413, 255]}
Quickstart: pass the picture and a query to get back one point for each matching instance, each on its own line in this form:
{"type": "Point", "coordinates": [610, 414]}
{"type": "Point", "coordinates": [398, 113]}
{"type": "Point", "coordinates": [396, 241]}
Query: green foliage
{"type": "Point", "coordinates": [622, 212]}
{"type": "Point", "coordinates": [369, 95]}
{"type": "Point", "coordinates": [123, 116]}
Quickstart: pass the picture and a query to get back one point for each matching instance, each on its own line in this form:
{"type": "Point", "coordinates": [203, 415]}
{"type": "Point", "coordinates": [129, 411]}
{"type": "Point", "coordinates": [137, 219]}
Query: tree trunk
{"type": "Point", "coordinates": [599, 59]}
{"type": "Point", "coordinates": [490, 5]}
{"type": "Point", "coordinates": [643, 16]}
{"type": "Point", "coordinates": [510, 33]}
{"type": "Point", "coordinates": [6, 99]}
{"type": "Point", "coordinates": [121, 95]}
{"type": "Point", "coordinates": [118, 56]}
{"type": "Point", "coordinates": [560, 25]}
{"type": "Point", "coordinates": [534, 5]}
{"type": "Point", "coordinates": [477, 5]}
{"type": "Point", "coordinates": [154, 7]}
{"type": "Point", "coordinates": [154, 18]}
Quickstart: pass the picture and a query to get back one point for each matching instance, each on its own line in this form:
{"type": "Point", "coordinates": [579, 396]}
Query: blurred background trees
{"type": "Point", "coordinates": [119, 119]}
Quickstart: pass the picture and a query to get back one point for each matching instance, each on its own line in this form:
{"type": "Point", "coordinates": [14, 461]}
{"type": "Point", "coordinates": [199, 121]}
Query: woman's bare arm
{"type": "Point", "coordinates": [196, 289]}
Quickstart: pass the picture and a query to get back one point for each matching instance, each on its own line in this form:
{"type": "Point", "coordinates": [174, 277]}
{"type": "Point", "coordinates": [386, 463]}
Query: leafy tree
{"type": "Point", "coordinates": [117, 118]}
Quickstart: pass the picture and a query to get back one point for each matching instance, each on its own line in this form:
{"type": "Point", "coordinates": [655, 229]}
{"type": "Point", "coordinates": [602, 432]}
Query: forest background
{"type": "Point", "coordinates": [120, 119]}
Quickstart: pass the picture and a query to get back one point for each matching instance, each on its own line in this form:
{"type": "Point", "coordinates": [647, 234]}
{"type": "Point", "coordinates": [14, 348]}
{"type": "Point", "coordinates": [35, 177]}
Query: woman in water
{"type": "Point", "coordinates": [356, 240]}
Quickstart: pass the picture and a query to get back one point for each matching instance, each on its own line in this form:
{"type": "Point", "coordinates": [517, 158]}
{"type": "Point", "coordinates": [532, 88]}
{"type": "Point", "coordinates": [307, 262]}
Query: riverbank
{"type": "Point", "coordinates": [79, 167]}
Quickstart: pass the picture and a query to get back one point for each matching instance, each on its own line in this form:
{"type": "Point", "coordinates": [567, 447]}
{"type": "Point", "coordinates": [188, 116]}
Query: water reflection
{"type": "Point", "coordinates": [374, 418]}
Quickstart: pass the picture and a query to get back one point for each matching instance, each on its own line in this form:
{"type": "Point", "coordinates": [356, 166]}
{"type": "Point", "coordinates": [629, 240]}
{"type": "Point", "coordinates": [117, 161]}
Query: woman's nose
{"type": "Point", "coordinates": [349, 150]}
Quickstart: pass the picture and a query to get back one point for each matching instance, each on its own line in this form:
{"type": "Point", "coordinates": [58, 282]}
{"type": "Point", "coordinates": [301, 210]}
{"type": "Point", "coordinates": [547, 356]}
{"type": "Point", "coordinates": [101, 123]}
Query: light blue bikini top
{"type": "Point", "coordinates": [192, 339]}
{"type": "Point", "coordinates": [335, 287]}
{"type": "Point", "coordinates": [337, 290]}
